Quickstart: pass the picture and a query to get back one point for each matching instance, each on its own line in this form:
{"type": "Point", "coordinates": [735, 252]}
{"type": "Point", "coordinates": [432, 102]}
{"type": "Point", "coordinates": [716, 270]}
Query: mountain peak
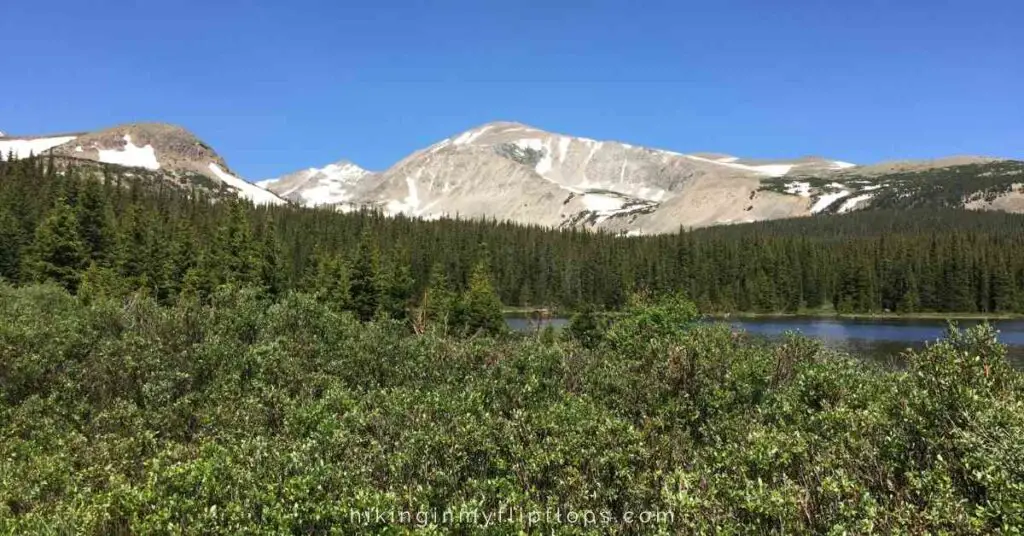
{"type": "Point", "coordinates": [331, 184]}
{"type": "Point", "coordinates": [170, 149]}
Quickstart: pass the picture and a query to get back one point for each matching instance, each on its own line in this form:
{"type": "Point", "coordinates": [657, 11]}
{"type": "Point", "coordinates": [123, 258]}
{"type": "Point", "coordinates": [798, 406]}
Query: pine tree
{"type": "Point", "coordinates": [58, 252]}
{"type": "Point", "coordinates": [235, 258]}
{"type": "Point", "coordinates": [96, 221]}
{"type": "Point", "coordinates": [327, 277]}
{"type": "Point", "coordinates": [100, 282]}
{"type": "Point", "coordinates": [364, 279]}
{"type": "Point", "coordinates": [133, 248]}
{"type": "Point", "coordinates": [272, 266]}
{"type": "Point", "coordinates": [395, 287]}
{"type": "Point", "coordinates": [10, 245]}
{"type": "Point", "coordinates": [481, 306]}
{"type": "Point", "coordinates": [584, 327]}
{"type": "Point", "coordinates": [440, 303]}
{"type": "Point", "coordinates": [910, 301]}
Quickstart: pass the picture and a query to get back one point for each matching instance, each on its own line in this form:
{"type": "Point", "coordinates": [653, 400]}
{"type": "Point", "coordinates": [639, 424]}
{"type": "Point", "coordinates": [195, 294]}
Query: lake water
{"type": "Point", "coordinates": [878, 339]}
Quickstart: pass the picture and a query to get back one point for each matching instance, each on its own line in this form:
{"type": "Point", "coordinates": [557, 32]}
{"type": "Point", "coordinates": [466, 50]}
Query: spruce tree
{"type": "Point", "coordinates": [481, 306]}
{"type": "Point", "coordinates": [134, 248]}
{"type": "Point", "coordinates": [327, 278]}
{"type": "Point", "coordinates": [10, 245]}
{"type": "Point", "coordinates": [272, 267]}
{"type": "Point", "coordinates": [234, 259]}
{"type": "Point", "coordinates": [96, 221]}
{"type": "Point", "coordinates": [364, 279]}
{"type": "Point", "coordinates": [57, 252]}
{"type": "Point", "coordinates": [440, 303]}
{"type": "Point", "coordinates": [395, 287]}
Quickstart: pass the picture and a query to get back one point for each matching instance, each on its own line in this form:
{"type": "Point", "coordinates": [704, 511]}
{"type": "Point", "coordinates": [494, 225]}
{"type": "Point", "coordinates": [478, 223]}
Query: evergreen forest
{"type": "Point", "coordinates": [135, 231]}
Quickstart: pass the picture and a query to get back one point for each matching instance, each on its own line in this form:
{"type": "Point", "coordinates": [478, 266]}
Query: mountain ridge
{"type": "Point", "coordinates": [512, 171]}
{"type": "Point", "coordinates": [149, 145]}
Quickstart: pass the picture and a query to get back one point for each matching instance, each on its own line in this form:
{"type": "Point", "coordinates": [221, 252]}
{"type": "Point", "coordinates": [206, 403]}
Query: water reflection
{"type": "Point", "coordinates": [877, 339]}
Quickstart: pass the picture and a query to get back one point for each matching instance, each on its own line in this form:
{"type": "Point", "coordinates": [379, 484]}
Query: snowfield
{"type": "Point", "coordinates": [803, 189]}
{"type": "Point", "coordinates": [852, 202]}
{"type": "Point", "coordinates": [826, 201]}
{"type": "Point", "coordinates": [131, 155]}
{"type": "Point", "coordinates": [24, 148]}
{"type": "Point", "coordinates": [771, 170]}
{"type": "Point", "coordinates": [249, 191]}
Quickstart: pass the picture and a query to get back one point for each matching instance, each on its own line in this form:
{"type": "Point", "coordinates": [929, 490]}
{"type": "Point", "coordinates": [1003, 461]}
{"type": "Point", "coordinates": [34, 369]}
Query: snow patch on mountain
{"type": "Point", "coordinates": [852, 203]}
{"type": "Point", "coordinates": [838, 164]}
{"type": "Point", "coordinates": [23, 148]}
{"type": "Point", "coordinates": [602, 202]}
{"type": "Point", "coordinates": [470, 136]}
{"type": "Point", "coordinates": [131, 155]}
{"type": "Point", "coordinates": [563, 147]}
{"type": "Point", "coordinates": [535, 144]}
{"type": "Point", "coordinates": [247, 190]}
{"type": "Point", "coordinates": [803, 189]}
{"type": "Point", "coordinates": [604, 206]}
{"type": "Point", "coordinates": [545, 164]}
{"type": "Point", "coordinates": [771, 170]}
{"type": "Point", "coordinates": [411, 204]}
{"type": "Point", "coordinates": [826, 201]}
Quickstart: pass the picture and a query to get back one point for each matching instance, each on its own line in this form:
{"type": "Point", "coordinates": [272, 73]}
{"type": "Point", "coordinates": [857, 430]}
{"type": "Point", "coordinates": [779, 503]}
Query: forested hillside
{"type": "Point", "coordinates": [128, 232]}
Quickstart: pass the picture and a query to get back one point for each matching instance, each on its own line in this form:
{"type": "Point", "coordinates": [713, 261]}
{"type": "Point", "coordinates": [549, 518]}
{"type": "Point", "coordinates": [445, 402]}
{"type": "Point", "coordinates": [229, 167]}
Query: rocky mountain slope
{"type": "Point", "coordinates": [330, 185]}
{"type": "Point", "coordinates": [167, 149]}
{"type": "Point", "coordinates": [511, 171]}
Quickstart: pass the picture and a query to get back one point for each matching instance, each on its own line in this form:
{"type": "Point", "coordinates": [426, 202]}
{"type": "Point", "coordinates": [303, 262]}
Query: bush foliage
{"type": "Point", "coordinates": [244, 414]}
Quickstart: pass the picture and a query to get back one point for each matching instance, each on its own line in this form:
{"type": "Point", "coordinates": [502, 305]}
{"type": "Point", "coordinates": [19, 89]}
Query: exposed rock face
{"type": "Point", "coordinates": [510, 171]}
{"type": "Point", "coordinates": [152, 146]}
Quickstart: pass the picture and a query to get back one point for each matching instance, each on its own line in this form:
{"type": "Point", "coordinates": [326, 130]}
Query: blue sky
{"type": "Point", "coordinates": [278, 86]}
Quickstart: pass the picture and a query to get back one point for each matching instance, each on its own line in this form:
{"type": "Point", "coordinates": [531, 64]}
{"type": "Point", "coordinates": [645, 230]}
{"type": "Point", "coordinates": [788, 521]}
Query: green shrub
{"type": "Point", "coordinates": [243, 415]}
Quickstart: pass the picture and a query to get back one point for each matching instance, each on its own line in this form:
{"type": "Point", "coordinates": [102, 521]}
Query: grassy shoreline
{"type": "Point", "coordinates": [528, 312]}
{"type": "Point", "coordinates": [872, 316]}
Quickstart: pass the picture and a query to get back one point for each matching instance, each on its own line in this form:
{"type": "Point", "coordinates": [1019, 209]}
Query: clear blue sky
{"type": "Point", "coordinates": [278, 86]}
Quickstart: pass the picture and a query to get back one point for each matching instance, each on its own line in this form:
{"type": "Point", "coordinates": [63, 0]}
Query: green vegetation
{"type": "Point", "coordinates": [938, 188]}
{"type": "Point", "coordinates": [258, 415]}
{"type": "Point", "coordinates": [170, 364]}
{"type": "Point", "coordinates": [57, 222]}
{"type": "Point", "coordinates": [950, 187]}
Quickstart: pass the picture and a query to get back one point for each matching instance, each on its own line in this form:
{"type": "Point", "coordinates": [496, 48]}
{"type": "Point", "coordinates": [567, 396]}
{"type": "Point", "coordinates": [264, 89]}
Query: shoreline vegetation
{"type": "Point", "coordinates": [871, 316]}
{"type": "Point", "coordinates": [528, 312]}
{"type": "Point", "coordinates": [244, 412]}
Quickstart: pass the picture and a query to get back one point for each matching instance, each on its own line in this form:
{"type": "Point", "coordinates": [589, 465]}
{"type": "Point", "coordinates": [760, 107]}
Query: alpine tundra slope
{"type": "Point", "coordinates": [510, 171]}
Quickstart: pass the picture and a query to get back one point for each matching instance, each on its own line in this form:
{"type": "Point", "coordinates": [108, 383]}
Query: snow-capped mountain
{"type": "Point", "coordinates": [514, 172]}
{"type": "Point", "coordinates": [151, 146]}
{"type": "Point", "coordinates": [511, 171]}
{"type": "Point", "coordinates": [333, 184]}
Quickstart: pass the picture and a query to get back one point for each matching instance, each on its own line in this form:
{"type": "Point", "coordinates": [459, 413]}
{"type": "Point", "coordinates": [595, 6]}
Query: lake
{"type": "Point", "coordinates": [878, 339]}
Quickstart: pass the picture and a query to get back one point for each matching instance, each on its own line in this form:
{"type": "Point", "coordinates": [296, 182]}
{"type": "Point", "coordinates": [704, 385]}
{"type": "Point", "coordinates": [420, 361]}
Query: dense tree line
{"type": "Point", "coordinates": [133, 231]}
